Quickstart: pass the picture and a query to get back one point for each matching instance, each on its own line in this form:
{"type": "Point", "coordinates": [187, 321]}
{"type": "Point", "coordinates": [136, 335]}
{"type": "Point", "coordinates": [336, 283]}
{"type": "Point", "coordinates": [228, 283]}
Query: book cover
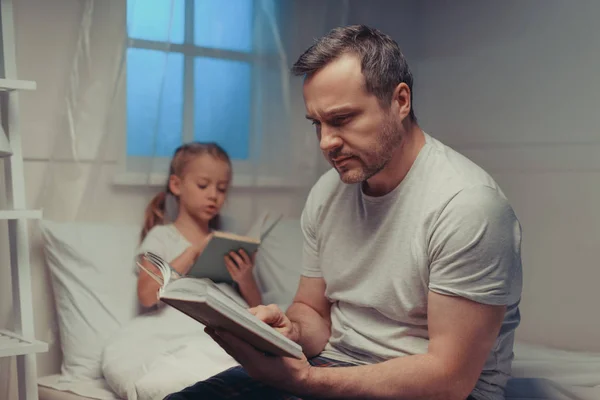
{"type": "Point", "coordinates": [211, 263]}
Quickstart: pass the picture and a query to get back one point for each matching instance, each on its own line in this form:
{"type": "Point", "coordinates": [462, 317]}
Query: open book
{"type": "Point", "coordinates": [211, 264]}
{"type": "Point", "coordinates": [210, 305]}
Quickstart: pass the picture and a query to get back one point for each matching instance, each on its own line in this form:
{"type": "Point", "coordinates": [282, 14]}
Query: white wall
{"type": "Point", "coordinates": [514, 85]}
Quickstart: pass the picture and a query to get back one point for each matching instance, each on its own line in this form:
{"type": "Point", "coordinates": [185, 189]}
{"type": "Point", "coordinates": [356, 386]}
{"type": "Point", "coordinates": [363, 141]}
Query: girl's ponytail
{"type": "Point", "coordinates": [154, 214]}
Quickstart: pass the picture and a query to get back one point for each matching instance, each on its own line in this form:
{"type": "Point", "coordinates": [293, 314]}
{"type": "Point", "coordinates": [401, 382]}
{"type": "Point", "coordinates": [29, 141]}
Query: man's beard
{"type": "Point", "coordinates": [374, 161]}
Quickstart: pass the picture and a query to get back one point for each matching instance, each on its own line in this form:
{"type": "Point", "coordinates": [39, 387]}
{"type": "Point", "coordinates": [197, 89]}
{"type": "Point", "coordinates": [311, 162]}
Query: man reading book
{"type": "Point", "coordinates": [412, 269]}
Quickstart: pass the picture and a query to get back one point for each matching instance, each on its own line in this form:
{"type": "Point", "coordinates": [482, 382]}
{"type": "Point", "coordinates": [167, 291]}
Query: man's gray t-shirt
{"type": "Point", "coordinates": [446, 228]}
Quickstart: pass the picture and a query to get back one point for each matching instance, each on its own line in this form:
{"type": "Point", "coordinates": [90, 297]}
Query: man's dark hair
{"type": "Point", "coordinates": [383, 64]}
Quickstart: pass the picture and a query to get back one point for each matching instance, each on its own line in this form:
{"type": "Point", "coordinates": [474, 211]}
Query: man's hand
{"type": "Point", "coordinates": [285, 373]}
{"type": "Point", "coordinates": [273, 316]}
{"type": "Point", "coordinates": [310, 313]}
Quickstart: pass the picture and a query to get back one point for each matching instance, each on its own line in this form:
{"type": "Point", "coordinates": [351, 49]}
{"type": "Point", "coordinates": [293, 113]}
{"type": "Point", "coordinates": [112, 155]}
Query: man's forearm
{"type": "Point", "coordinates": [311, 330]}
{"type": "Point", "coordinates": [410, 377]}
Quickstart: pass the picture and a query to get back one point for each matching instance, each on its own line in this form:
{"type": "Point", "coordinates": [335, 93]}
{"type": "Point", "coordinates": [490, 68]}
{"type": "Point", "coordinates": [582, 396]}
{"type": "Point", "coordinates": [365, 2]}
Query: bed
{"type": "Point", "coordinates": [518, 389]}
{"type": "Point", "coordinates": [91, 272]}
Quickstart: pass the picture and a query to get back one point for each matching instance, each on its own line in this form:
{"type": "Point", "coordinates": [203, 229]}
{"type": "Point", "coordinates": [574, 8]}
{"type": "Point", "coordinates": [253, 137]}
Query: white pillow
{"type": "Point", "coordinates": [94, 283]}
{"type": "Point", "coordinates": [279, 262]}
{"type": "Point", "coordinates": [159, 353]}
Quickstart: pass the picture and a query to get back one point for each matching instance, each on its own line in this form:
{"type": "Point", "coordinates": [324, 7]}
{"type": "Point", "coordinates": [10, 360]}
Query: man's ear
{"type": "Point", "coordinates": [175, 185]}
{"type": "Point", "coordinates": [401, 100]}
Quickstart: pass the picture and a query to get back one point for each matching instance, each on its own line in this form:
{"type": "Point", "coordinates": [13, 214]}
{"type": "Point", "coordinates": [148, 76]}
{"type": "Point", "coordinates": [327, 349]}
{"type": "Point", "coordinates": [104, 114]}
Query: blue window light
{"type": "Point", "coordinates": [154, 104]}
{"type": "Point", "coordinates": [168, 62]}
{"type": "Point", "coordinates": [151, 20]}
{"type": "Point", "coordinates": [222, 104]}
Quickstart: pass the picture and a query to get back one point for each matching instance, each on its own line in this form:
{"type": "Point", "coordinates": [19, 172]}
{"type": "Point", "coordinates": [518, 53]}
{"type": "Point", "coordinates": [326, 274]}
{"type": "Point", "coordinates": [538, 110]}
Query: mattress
{"type": "Point", "coordinates": [538, 373]}
{"type": "Point", "coordinates": [55, 387]}
{"type": "Point", "coordinates": [518, 389]}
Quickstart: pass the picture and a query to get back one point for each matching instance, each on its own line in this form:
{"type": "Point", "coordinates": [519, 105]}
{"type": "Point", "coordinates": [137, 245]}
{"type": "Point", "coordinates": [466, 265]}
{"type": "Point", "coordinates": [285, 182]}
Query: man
{"type": "Point", "coordinates": [411, 270]}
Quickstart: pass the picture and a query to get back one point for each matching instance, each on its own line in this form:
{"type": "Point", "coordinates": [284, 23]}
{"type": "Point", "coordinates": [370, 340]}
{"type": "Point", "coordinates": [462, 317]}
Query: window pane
{"type": "Point", "coordinates": [159, 20]}
{"type": "Point", "coordinates": [223, 24]}
{"type": "Point", "coordinates": [154, 102]}
{"type": "Point", "coordinates": [222, 104]}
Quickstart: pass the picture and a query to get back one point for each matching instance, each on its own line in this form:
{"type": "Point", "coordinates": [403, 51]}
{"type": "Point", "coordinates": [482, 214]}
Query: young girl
{"type": "Point", "coordinates": [199, 177]}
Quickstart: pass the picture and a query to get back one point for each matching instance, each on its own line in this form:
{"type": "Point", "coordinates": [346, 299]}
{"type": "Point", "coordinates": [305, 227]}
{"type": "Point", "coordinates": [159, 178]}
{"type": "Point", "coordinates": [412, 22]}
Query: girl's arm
{"type": "Point", "coordinates": [147, 287]}
{"type": "Point", "coordinates": [240, 267]}
{"type": "Point", "coordinates": [250, 292]}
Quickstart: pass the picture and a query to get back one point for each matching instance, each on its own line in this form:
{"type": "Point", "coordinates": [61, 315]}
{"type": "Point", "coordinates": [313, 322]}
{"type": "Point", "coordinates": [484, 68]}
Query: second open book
{"type": "Point", "coordinates": [211, 263]}
{"type": "Point", "coordinates": [218, 307]}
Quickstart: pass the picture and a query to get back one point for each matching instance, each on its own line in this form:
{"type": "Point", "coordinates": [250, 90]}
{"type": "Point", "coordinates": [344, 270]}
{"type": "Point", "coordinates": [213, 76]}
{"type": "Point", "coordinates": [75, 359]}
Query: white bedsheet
{"type": "Point", "coordinates": [567, 368]}
{"type": "Point", "coordinates": [161, 353]}
{"type": "Point", "coordinates": [92, 388]}
{"type": "Point", "coordinates": [585, 393]}
{"type": "Point", "coordinates": [153, 357]}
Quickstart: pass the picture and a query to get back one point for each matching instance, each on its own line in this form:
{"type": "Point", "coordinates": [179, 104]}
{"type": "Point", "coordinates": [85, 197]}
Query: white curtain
{"type": "Point", "coordinates": [110, 143]}
{"type": "Point", "coordinates": [91, 171]}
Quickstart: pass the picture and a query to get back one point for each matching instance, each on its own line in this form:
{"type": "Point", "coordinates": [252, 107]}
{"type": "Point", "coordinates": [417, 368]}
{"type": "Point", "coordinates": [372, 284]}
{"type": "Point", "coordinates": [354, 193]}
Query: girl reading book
{"type": "Point", "coordinates": [164, 350]}
{"type": "Point", "coordinates": [199, 178]}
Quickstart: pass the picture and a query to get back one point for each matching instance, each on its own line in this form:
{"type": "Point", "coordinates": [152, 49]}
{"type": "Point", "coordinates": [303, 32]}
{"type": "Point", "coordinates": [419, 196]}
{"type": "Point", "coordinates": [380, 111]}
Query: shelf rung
{"type": "Point", "coordinates": [12, 344]}
{"type": "Point", "coordinates": [18, 214]}
{"type": "Point", "coordinates": [16, 84]}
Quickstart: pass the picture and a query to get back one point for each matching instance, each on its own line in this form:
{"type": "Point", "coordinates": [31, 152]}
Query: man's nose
{"type": "Point", "coordinates": [329, 139]}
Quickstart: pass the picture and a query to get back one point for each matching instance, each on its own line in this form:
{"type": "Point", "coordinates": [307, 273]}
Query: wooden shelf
{"type": "Point", "coordinates": [12, 344]}
{"type": "Point", "coordinates": [8, 85]}
{"type": "Point", "coordinates": [18, 214]}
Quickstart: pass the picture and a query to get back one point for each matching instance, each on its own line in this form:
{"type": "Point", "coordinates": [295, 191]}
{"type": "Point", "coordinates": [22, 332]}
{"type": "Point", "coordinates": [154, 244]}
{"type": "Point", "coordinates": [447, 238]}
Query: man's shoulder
{"type": "Point", "coordinates": [450, 172]}
{"type": "Point", "coordinates": [327, 186]}
{"type": "Point", "coordinates": [480, 202]}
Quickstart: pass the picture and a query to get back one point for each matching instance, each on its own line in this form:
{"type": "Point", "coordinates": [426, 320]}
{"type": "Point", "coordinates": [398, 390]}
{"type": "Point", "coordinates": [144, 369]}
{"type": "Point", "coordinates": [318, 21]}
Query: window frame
{"type": "Point", "coordinates": [152, 170]}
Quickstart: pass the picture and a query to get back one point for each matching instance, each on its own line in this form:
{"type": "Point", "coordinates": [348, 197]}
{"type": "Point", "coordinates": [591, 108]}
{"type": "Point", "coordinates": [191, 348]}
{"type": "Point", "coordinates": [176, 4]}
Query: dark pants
{"type": "Point", "coordinates": [236, 384]}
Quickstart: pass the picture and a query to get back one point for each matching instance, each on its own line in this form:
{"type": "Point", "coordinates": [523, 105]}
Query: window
{"type": "Point", "coordinates": [189, 75]}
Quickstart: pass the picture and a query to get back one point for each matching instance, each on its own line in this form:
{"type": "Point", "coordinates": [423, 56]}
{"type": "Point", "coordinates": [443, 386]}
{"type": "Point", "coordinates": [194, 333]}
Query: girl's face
{"type": "Point", "coordinates": [203, 186]}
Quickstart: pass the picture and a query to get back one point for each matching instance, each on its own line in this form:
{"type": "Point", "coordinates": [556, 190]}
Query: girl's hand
{"type": "Point", "coordinates": [189, 256]}
{"type": "Point", "coordinates": [240, 266]}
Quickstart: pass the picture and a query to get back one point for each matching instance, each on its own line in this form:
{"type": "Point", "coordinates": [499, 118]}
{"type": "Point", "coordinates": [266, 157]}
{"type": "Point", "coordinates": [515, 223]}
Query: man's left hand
{"type": "Point", "coordinates": [285, 373]}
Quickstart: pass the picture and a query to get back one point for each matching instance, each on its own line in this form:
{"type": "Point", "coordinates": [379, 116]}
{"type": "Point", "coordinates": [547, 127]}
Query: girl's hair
{"type": "Point", "coordinates": [155, 211]}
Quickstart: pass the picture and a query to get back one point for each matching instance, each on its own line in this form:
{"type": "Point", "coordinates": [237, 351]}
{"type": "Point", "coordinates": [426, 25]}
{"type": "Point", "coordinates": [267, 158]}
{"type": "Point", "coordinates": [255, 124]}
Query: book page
{"type": "Point", "coordinates": [236, 237]}
{"type": "Point", "coordinates": [193, 288]}
{"type": "Point", "coordinates": [230, 291]}
{"type": "Point", "coordinates": [188, 288]}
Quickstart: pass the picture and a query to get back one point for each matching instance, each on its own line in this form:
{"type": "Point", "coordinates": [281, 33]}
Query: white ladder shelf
{"type": "Point", "coordinates": [21, 343]}
{"type": "Point", "coordinates": [8, 85]}
{"type": "Point", "coordinates": [12, 344]}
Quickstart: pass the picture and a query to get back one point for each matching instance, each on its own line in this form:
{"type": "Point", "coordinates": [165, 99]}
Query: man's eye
{"type": "Point", "coordinates": [315, 123]}
{"type": "Point", "coordinates": [339, 121]}
{"type": "Point", "coordinates": [202, 186]}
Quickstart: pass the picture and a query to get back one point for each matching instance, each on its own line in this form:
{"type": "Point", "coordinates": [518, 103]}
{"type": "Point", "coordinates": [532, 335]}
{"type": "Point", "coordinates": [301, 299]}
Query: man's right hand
{"type": "Point", "coordinates": [272, 315]}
